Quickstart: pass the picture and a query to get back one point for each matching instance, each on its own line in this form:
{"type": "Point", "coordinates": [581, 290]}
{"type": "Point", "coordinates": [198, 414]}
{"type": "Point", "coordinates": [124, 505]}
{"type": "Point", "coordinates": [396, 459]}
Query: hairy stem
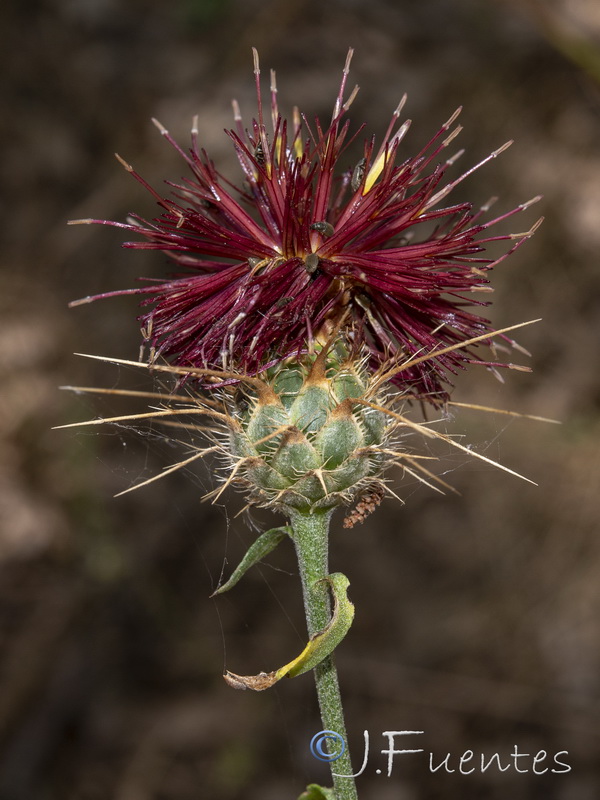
{"type": "Point", "coordinates": [311, 538]}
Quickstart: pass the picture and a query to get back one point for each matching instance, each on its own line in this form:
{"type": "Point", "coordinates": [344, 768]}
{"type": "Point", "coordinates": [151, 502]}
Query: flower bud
{"type": "Point", "coordinates": [311, 444]}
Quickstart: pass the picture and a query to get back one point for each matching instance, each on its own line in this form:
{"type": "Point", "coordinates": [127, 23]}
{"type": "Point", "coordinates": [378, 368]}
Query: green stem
{"type": "Point", "coordinates": [311, 538]}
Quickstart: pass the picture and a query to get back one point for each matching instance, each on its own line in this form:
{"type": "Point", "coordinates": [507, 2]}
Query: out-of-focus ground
{"type": "Point", "coordinates": [478, 617]}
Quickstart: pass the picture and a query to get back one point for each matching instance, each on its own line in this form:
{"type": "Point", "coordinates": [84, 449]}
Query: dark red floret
{"type": "Point", "coordinates": [270, 265]}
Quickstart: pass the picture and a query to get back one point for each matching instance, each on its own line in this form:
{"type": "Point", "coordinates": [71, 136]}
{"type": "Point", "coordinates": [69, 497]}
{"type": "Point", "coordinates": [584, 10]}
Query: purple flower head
{"type": "Point", "coordinates": [307, 242]}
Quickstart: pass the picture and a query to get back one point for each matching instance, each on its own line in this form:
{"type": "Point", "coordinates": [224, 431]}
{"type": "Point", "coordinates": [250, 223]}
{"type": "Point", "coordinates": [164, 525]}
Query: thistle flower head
{"type": "Point", "coordinates": [269, 267]}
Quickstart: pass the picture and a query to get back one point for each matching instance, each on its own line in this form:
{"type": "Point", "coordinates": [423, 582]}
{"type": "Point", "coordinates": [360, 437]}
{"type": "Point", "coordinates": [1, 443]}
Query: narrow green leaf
{"type": "Point", "coordinates": [321, 645]}
{"type": "Point", "coordinates": [265, 543]}
{"type": "Point", "coordinates": [316, 792]}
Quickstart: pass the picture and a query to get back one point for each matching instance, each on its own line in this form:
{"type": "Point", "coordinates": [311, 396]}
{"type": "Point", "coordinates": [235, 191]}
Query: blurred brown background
{"type": "Point", "coordinates": [477, 616]}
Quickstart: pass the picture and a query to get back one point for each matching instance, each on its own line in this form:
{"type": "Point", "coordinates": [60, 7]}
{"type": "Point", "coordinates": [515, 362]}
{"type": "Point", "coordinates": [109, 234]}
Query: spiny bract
{"type": "Point", "coordinates": [309, 443]}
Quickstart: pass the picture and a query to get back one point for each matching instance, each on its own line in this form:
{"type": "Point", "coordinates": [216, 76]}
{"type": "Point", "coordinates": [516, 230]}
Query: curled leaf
{"type": "Point", "coordinates": [265, 543]}
{"type": "Point", "coordinates": [319, 646]}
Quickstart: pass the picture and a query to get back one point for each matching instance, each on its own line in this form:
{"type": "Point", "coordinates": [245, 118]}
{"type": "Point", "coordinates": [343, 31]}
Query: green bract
{"type": "Point", "coordinates": [309, 444]}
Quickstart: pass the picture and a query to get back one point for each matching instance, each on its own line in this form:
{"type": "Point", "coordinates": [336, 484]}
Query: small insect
{"type": "Point", "coordinates": [283, 301]}
{"type": "Point", "coordinates": [311, 263]}
{"type": "Point", "coordinates": [253, 262]}
{"type": "Point", "coordinates": [240, 399]}
{"type": "Point", "coordinates": [358, 174]}
{"type": "Point", "coordinates": [259, 153]}
{"type": "Point", "coordinates": [326, 228]}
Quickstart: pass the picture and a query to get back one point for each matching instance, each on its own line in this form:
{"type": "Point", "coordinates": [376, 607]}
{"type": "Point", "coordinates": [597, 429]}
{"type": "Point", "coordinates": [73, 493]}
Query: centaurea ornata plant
{"type": "Point", "coordinates": [314, 301]}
